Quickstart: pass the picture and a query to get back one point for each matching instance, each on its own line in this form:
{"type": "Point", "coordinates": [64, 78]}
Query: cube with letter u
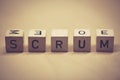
{"type": "Point", "coordinates": [82, 40]}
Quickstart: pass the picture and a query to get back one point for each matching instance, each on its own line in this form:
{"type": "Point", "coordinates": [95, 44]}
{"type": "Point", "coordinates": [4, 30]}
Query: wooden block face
{"type": "Point", "coordinates": [14, 40]}
{"type": "Point", "coordinates": [37, 44]}
{"type": "Point", "coordinates": [59, 44]}
{"type": "Point", "coordinates": [59, 41]}
{"type": "Point", "coordinates": [105, 40]}
{"type": "Point", "coordinates": [82, 32]}
{"type": "Point", "coordinates": [82, 44]}
{"type": "Point", "coordinates": [37, 40]}
{"type": "Point", "coordinates": [82, 40]}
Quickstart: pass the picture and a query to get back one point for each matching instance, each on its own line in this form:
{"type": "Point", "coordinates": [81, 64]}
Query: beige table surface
{"type": "Point", "coordinates": [60, 14]}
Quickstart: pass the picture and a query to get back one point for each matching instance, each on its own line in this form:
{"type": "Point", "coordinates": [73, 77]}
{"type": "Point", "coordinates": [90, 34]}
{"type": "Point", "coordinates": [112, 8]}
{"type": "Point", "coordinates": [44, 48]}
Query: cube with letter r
{"type": "Point", "coordinates": [59, 40]}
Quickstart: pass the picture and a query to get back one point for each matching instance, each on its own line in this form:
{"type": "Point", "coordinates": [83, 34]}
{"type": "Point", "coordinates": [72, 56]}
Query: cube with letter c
{"type": "Point", "coordinates": [37, 40]}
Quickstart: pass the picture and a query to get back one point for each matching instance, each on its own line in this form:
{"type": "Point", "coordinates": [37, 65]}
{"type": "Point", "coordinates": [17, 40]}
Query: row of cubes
{"type": "Point", "coordinates": [59, 40]}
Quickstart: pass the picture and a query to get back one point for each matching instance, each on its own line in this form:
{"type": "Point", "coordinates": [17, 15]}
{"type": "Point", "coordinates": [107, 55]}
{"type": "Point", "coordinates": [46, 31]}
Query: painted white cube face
{"type": "Point", "coordinates": [59, 40]}
{"type": "Point", "coordinates": [14, 40]}
{"type": "Point", "coordinates": [105, 40]}
{"type": "Point", "coordinates": [82, 40]}
{"type": "Point", "coordinates": [37, 40]}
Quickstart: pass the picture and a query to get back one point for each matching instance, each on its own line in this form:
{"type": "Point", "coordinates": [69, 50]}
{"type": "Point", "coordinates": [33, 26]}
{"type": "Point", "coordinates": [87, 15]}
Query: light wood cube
{"type": "Point", "coordinates": [105, 40]}
{"type": "Point", "coordinates": [37, 40]}
{"type": "Point", "coordinates": [14, 40]}
{"type": "Point", "coordinates": [82, 40]}
{"type": "Point", "coordinates": [59, 40]}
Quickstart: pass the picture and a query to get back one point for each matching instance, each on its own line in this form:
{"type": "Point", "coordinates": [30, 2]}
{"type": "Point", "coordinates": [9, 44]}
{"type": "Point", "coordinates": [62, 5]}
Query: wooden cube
{"type": "Point", "coordinates": [59, 40]}
{"type": "Point", "coordinates": [37, 40]}
{"type": "Point", "coordinates": [105, 40]}
{"type": "Point", "coordinates": [82, 40]}
{"type": "Point", "coordinates": [14, 40]}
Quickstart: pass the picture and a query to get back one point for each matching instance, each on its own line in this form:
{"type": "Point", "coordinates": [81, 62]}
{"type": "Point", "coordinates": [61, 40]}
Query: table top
{"type": "Point", "coordinates": [60, 14]}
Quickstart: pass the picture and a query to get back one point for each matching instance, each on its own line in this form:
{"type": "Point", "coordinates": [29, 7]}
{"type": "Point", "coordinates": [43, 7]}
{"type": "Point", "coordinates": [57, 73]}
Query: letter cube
{"type": "Point", "coordinates": [59, 40]}
{"type": "Point", "coordinates": [14, 40]}
{"type": "Point", "coordinates": [37, 40]}
{"type": "Point", "coordinates": [82, 40]}
{"type": "Point", "coordinates": [105, 40]}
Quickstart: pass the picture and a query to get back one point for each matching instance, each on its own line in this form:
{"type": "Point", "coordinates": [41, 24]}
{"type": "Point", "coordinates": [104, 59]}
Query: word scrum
{"type": "Point", "coordinates": [14, 40]}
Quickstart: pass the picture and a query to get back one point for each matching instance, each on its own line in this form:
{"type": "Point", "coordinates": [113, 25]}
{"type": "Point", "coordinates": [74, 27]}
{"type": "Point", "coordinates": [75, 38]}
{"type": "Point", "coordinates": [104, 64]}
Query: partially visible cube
{"type": "Point", "coordinates": [37, 40]}
{"type": "Point", "coordinates": [105, 40]}
{"type": "Point", "coordinates": [14, 40]}
{"type": "Point", "coordinates": [59, 40]}
{"type": "Point", "coordinates": [82, 40]}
